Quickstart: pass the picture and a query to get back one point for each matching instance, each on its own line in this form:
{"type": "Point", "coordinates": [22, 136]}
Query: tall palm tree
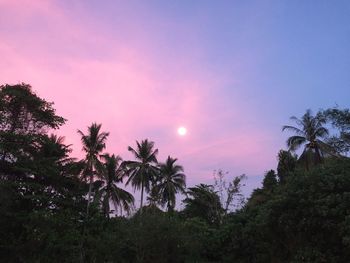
{"type": "Point", "coordinates": [310, 133]}
{"type": "Point", "coordinates": [171, 181]}
{"type": "Point", "coordinates": [143, 171]}
{"type": "Point", "coordinates": [112, 173]}
{"type": "Point", "coordinates": [93, 145]}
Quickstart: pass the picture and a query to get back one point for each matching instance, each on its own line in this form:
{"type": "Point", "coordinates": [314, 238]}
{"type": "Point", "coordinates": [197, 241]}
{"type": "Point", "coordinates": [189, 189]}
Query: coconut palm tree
{"type": "Point", "coordinates": [52, 147]}
{"type": "Point", "coordinates": [310, 133]}
{"type": "Point", "coordinates": [112, 173]}
{"type": "Point", "coordinates": [171, 181]}
{"type": "Point", "coordinates": [143, 171]}
{"type": "Point", "coordinates": [93, 145]}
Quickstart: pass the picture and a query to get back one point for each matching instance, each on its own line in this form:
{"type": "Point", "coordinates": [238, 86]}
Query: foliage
{"type": "Point", "coordinates": [203, 202]}
{"type": "Point", "coordinates": [142, 172]}
{"type": "Point", "coordinates": [310, 132]}
{"type": "Point", "coordinates": [298, 215]}
{"type": "Point", "coordinates": [23, 112]}
{"type": "Point", "coordinates": [340, 119]}
{"type": "Point", "coordinates": [112, 174]}
{"type": "Point", "coordinates": [93, 145]}
{"type": "Point", "coordinates": [171, 180]}
{"type": "Point", "coordinates": [286, 165]}
{"type": "Point", "coordinates": [231, 194]}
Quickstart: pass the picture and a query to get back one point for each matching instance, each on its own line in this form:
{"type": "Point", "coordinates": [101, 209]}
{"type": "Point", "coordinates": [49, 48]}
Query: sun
{"type": "Point", "coordinates": [182, 131]}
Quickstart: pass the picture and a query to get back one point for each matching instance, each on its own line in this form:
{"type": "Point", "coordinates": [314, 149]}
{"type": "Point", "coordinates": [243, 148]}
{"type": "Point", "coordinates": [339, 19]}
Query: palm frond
{"type": "Point", "coordinates": [294, 142]}
{"type": "Point", "coordinates": [293, 129]}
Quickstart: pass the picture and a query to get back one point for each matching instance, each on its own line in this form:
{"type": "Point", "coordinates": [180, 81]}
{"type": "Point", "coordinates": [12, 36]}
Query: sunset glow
{"type": "Point", "coordinates": [138, 67]}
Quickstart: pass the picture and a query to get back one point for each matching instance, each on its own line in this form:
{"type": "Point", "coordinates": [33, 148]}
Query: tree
{"type": "Point", "coordinates": [171, 181]}
{"type": "Point", "coordinates": [40, 191]}
{"type": "Point", "coordinates": [311, 133]}
{"type": "Point", "coordinates": [270, 181]}
{"type": "Point", "coordinates": [286, 165]}
{"type": "Point", "coordinates": [340, 119]}
{"type": "Point", "coordinates": [23, 117]}
{"type": "Point", "coordinates": [22, 111]}
{"type": "Point", "coordinates": [202, 201]}
{"type": "Point", "coordinates": [143, 171]}
{"type": "Point", "coordinates": [93, 145]}
{"type": "Point", "coordinates": [112, 174]}
{"type": "Point", "coordinates": [36, 164]}
{"type": "Point", "coordinates": [231, 193]}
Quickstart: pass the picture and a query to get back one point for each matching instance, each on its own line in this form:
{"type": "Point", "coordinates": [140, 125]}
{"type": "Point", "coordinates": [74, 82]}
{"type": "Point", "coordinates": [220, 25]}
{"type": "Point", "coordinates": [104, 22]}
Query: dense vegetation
{"type": "Point", "coordinates": [54, 208]}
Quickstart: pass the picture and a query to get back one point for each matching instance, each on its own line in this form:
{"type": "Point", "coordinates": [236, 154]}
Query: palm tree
{"type": "Point", "coordinates": [93, 144]}
{"type": "Point", "coordinates": [171, 181]}
{"type": "Point", "coordinates": [112, 173]}
{"type": "Point", "coordinates": [142, 172]}
{"type": "Point", "coordinates": [53, 148]}
{"type": "Point", "coordinates": [310, 133]}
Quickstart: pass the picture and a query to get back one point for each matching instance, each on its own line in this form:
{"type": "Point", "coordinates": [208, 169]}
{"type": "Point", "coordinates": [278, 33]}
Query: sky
{"type": "Point", "coordinates": [231, 72]}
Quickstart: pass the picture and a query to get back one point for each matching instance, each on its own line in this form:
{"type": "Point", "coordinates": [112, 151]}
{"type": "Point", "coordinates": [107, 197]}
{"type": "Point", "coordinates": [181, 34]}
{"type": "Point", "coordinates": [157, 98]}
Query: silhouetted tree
{"type": "Point", "coordinates": [143, 171]}
{"type": "Point", "coordinates": [310, 132]}
{"type": "Point", "coordinates": [93, 145]}
{"type": "Point", "coordinates": [231, 192]}
{"type": "Point", "coordinates": [23, 118]}
{"type": "Point", "coordinates": [171, 181]}
{"type": "Point", "coordinates": [112, 174]}
{"type": "Point", "coordinates": [340, 119]}
{"type": "Point", "coordinates": [270, 180]}
{"type": "Point", "coordinates": [286, 164]}
{"type": "Point", "coordinates": [203, 202]}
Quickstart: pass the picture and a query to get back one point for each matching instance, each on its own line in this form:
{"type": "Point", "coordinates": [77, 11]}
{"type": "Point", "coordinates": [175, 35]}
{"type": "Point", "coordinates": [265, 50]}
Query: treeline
{"type": "Point", "coordinates": [54, 208]}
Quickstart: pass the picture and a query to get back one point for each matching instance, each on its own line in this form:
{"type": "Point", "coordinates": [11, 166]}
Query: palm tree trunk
{"type": "Point", "coordinates": [107, 208]}
{"type": "Point", "coordinates": [89, 195]}
{"type": "Point", "coordinates": [170, 208]}
{"type": "Point", "coordinates": [141, 203]}
{"type": "Point", "coordinates": [319, 158]}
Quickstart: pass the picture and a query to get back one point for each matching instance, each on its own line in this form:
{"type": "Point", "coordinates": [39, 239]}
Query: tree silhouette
{"type": "Point", "coordinates": [310, 133]}
{"type": "Point", "coordinates": [93, 145]}
{"type": "Point", "coordinates": [171, 181]}
{"type": "Point", "coordinates": [143, 171]}
{"type": "Point", "coordinates": [112, 173]}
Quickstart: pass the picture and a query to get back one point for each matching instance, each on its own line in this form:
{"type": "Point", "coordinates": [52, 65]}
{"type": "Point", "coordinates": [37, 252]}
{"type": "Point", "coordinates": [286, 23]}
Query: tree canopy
{"type": "Point", "coordinates": [298, 214]}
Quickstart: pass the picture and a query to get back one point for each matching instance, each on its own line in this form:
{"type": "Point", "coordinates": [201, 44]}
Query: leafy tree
{"type": "Point", "coordinates": [340, 119]}
{"type": "Point", "coordinates": [262, 195]}
{"type": "Point", "coordinates": [171, 181]}
{"type": "Point", "coordinates": [308, 216]}
{"type": "Point", "coordinates": [231, 192]}
{"type": "Point", "coordinates": [286, 165]}
{"type": "Point", "coordinates": [112, 174]}
{"type": "Point", "coordinates": [305, 219]}
{"type": "Point", "coordinates": [23, 117]}
{"type": "Point", "coordinates": [23, 112]}
{"type": "Point", "coordinates": [270, 180]}
{"type": "Point", "coordinates": [311, 133]}
{"type": "Point", "coordinates": [143, 171]}
{"type": "Point", "coordinates": [93, 145]}
{"type": "Point", "coordinates": [203, 202]}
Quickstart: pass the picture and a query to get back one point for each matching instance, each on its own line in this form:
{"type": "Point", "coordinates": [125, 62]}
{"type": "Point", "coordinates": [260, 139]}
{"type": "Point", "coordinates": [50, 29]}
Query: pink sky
{"type": "Point", "coordinates": [122, 75]}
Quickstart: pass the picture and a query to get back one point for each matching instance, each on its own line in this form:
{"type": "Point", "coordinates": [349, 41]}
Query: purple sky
{"type": "Point", "coordinates": [232, 72]}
